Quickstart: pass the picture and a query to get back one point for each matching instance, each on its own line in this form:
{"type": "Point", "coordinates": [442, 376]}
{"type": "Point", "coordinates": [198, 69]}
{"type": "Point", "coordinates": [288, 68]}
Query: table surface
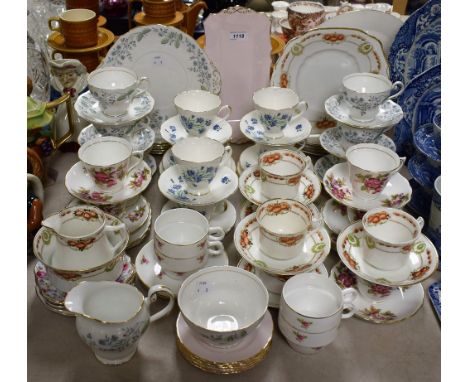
{"type": "Point", "coordinates": [405, 351]}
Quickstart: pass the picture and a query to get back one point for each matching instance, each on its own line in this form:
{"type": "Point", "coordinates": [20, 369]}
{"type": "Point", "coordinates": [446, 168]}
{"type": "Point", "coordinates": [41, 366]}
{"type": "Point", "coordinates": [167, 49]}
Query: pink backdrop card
{"type": "Point", "coordinates": [238, 44]}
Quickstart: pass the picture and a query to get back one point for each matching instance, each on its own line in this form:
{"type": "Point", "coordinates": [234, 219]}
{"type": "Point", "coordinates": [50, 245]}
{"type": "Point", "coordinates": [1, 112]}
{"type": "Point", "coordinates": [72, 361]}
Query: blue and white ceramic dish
{"type": "Point", "coordinates": [435, 295]}
{"type": "Point", "coordinates": [422, 171]}
{"type": "Point", "coordinates": [324, 163]}
{"type": "Point", "coordinates": [428, 143]}
{"type": "Point", "coordinates": [416, 47]}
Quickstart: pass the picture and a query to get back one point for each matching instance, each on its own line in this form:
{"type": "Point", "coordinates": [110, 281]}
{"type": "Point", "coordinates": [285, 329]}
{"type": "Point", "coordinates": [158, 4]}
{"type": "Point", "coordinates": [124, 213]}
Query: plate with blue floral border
{"type": "Point", "coordinates": [435, 294]}
{"type": "Point", "coordinates": [428, 142]}
{"type": "Point", "coordinates": [422, 171]}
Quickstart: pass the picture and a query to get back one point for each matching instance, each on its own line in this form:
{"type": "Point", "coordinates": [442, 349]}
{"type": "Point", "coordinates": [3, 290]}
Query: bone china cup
{"type": "Point", "coordinates": [183, 240]}
{"type": "Point", "coordinates": [78, 27]}
{"type": "Point", "coordinates": [114, 88]}
{"type": "Point", "coordinates": [390, 235]}
{"type": "Point", "coordinates": [198, 110]}
{"type": "Point", "coordinates": [305, 15]}
{"type": "Point", "coordinates": [281, 171]}
{"type": "Point", "coordinates": [365, 92]}
{"type": "Point", "coordinates": [223, 305]}
{"type": "Point", "coordinates": [107, 160]}
{"type": "Point", "coordinates": [370, 168]}
{"type": "Point", "coordinates": [198, 159]}
{"type": "Point", "coordinates": [311, 309]}
{"type": "Point", "coordinates": [276, 107]}
{"type": "Point", "coordinates": [283, 226]}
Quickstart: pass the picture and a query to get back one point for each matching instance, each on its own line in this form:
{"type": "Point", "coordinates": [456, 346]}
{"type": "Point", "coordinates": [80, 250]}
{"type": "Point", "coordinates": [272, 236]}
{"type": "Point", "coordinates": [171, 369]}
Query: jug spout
{"type": "Point", "coordinates": [53, 222]}
{"type": "Point", "coordinates": [76, 299]}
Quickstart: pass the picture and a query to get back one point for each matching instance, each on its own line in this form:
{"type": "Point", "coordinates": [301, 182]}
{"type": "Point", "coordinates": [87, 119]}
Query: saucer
{"type": "Point", "coordinates": [81, 185]}
{"type": "Point", "coordinates": [173, 187]}
{"type": "Point", "coordinates": [244, 355]}
{"type": "Point", "coordinates": [225, 219]}
{"type": "Point", "coordinates": [389, 113]}
{"type": "Point", "coordinates": [435, 290]}
{"type": "Point", "coordinates": [324, 163]}
{"type": "Point", "coordinates": [315, 250]}
{"type": "Point", "coordinates": [333, 141]}
{"type": "Point", "coordinates": [56, 297]}
{"type": "Point", "coordinates": [141, 139]}
{"type": "Point", "coordinates": [250, 185]}
{"type": "Point", "coordinates": [168, 161]}
{"type": "Point", "coordinates": [87, 107]}
{"type": "Point", "coordinates": [140, 234]}
{"type": "Point", "coordinates": [354, 215]}
{"type": "Point", "coordinates": [421, 264]}
{"type": "Point", "coordinates": [151, 273]}
{"type": "Point", "coordinates": [335, 216]}
{"type": "Point", "coordinates": [249, 157]}
{"type": "Point", "coordinates": [151, 162]}
{"type": "Point", "coordinates": [172, 130]}
{"type": "Point", "coordinates": [380, 304]}
{"type": "Point", "coordinates": [336, 182]}
{"type": "Point", "coordinates": [274, 284]}
{"type": "Point", "coordinates": [422, 171]}
{"type": "Point", "coordinates": [294, 132]}
{"type": "Point", "coordinates": [246, 208]}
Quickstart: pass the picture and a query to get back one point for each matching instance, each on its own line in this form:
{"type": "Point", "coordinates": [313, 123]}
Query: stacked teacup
{"type": "Point", "coordinates": [198, 172]}
{"type": "Point", "coordinates": [302, 17]}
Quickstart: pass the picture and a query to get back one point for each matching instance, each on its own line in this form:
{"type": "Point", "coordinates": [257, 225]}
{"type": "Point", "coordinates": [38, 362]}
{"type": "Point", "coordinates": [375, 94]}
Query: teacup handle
{"type": "Point", "coordinates": [402, 162]}
{"type": "Point", "coordinates": [227, 155]}
{"type": "Point", "coordinates": [153, 297]}
{"type": "Point", "coordinates": [215, 233]}
{"type": "Point", "coordinates": [397, 84]}
{"type": "Point", "coordinates": [51, 20]}
{"type": "Point", "coordinates": [113, 228]}
{"type": "Point", "coordinates": [420, 221]}
{"type": "Point", "coordinates": [139, 157]}
{"type": "Point", "coordinates": [226, 109]}
{"type": "Point", "coordinates": [308, 162]}
{"type": "Point", "coordinates": [300, 109]}
{"type": "Point", "coordinates": [215, 248]}
{"type": "Point", "coordinates": [349, 295]}
{"type": "Point", "coordinates": [140, 90]}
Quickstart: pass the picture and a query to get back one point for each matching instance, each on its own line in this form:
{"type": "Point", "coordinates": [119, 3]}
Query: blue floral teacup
{"type": "Point", "coordinates": [198, 110]}
{"type": "Point", "coordinates": [198, 160]}
{"type": "Point", "coordinates": [276, 107]}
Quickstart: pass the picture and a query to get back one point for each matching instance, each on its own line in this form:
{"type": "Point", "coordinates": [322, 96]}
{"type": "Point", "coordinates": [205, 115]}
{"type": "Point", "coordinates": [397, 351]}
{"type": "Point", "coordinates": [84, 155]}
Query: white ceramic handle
{"type": "Point", "coordinates": [113, 228]}
{"type": "Point", "coordinates": [153, 296]}
{"type": "Point", "coordinates": [215, 248]}
{"type": "Point", "coordinates": [226, 156]}
{"type": "Point", "coordinates": [140, 90]}
{"type": "Point", "coordinates": [300, 109]}
{"type": "Point", "coordinates": [308, 162]}
{"type": "Point", "coordinates": [215, 233]}
{"type": "Point", "coordinates": [225, 109]}
{"type": "Point", "coordinates": [349, 295]}
{"type": "Point", "coordinates": [37, 186]}
{"type": "Point", "coordinates": [420, 221]}
{"type": "Point", "coordinates": [139, 157]}
{"type": "Point", "coordinates": [397, 84]}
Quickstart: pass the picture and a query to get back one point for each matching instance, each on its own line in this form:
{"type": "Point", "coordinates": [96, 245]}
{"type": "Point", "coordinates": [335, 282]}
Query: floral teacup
{"type": "Point", "coordinates": [305, 15]}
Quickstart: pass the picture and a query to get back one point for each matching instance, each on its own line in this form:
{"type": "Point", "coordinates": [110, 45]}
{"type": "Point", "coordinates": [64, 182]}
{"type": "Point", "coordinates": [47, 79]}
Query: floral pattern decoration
{"type": "Point", "coordinates": [81, 244]}
{"type": "Point", "coordinates": [195, 123]}
{"type": "Point", "coordinates": [304, 324]}
{"type": "Point", "coordinates": [375, 314]}
{"type": "Point", "coordinates": [108, 176]}
{"type": "Point", "coordinates": [299, 337]}
{"type": "Point", "coordinates": [338, 188]}
{"type": "Point", "coordinates": [309, 192]}
{"type": "Point", "coordinates": [378, 218]}
{"type": "Point", "coordinates": [371, 183]}
{"type": "Point", "coordinates": [137, 214]}
{"type": "Point", "coordinates": [245, 240]}
{"type": "Point", "coordinates": [344, 277]}
{"type": "Point", "coordinates": [396, 200]}
{"type": "Point", "coordinates": [201, 174]}
{"type": "Point", "coordinates": [86, 214]}
{"type": "Point", "coordinates": [138, 177]}
{"type": "Point", "coordinates": [271, 159]}
{"type": "Point", "coordinates": [95, 196]}
{"type": "Point", "coordinates": [270, 121]}
{"type": "Point", "coordinates": [278, 208]}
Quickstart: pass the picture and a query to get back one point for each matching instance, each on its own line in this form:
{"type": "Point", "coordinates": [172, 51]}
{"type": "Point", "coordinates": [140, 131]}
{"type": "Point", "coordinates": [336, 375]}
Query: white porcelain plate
{"type": "Point", "coordinates": [335, 216]}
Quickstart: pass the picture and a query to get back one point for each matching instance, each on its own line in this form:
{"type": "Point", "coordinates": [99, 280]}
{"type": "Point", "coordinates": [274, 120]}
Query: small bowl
{"type": "Point", "coordinates": [223, 305]}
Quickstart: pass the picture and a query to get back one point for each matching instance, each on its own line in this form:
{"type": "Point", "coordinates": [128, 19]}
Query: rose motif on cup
{"type": "Point", "coordinates": [138, 178]}
{"type": "Point", "coordinates": [379, 290]}
{"type": "Point", "coordinates": [345, 278]}
{"type": "Point", "coordinates": [108, 176]}
{"type": "Point", "coordinates": [271, 159]}
{"type": "Point", "coordinates": [378, 218]}
{"type": "Point", "coordinates": [305, 324]}
{"type": "Point", "coordinates": [290, 241]}
{"type": "Point", "coordinates": [86, 214]}
{"type": "Point", "coordinates": [278, 208]}
{"type": "Point", "coordinates": [195, 123]}
{"type": "Point", "coordinates": [245, 241]}
{"type": "Point", "coordinates": [82, 244]}
{"type": "Point", "coordinates": [309, 191]}
{"type": "Point", "coordinates": [299, 337]}
{"type": "Point", "coordinates": [295, 180]}
{"type": "Point", "coordinates": [373, 184]}
{"type": "Point", "coordinates": [284, 80]}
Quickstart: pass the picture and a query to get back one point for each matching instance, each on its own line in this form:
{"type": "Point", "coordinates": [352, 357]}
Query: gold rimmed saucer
{"type": "Point", "coordinates": [57, 42]}
{"type": "Point", "coordinates": [141, 19]}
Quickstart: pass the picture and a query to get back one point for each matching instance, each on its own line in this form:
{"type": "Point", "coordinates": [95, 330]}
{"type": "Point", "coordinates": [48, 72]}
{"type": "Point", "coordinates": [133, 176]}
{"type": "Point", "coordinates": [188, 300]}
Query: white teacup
{"type": "Point", "coordinates": [108, 161]}
{"type": "Point", "coordinates": [283, 226]}
{"type": "Point", "coordinates": [390, 236]}
{"type": "Point", "coordinates": [281, 171]}
{"type": "Point", "coordinates": [223, 305]}
{"type": "Point", "coordinates": [114, 88]}
{"type": "Point", "coordinates": [198, 159]}
{"type": "Point", "coordinates": [183, 240]}
{"type": "Point", "coordinates": [198, 110]}
{"type": "Point", "coordinates": [370, 168]}
{"type": "Point", "coordinates": [311, 309]}
{"type": "Point", "coordinates": [276, 107]}
{"type": "Point", "coordinates": [365, 92]}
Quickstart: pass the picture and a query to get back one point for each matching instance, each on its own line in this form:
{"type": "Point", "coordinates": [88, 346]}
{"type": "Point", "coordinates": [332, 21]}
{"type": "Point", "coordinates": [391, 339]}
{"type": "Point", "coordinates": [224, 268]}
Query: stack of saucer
{"type": "Point", "coordinates": [77, 244]}
{"type": "Point", "coordinates": [198, 172]}
{"type": "Point", "coordinates": [282, 238]}
{"type": "Point", "coordinates": [386, 257]}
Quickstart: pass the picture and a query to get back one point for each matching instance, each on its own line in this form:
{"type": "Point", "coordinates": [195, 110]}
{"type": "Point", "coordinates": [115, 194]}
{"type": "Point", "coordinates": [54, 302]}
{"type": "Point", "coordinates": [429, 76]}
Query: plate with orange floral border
{"type": "Point", "coordinates": [422, 259]}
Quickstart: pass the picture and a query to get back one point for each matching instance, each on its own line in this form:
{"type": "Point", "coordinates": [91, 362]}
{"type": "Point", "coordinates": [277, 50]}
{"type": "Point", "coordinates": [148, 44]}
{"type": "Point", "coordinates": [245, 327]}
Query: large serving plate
{"type": "Point", "coordinates": [416, 47]}
{"type": "Point", "coordinates": [382, 25]}
{"type": "Point", "coordinates": [172, 61]}
{"type": "Point", "coordinates": [314, 64]}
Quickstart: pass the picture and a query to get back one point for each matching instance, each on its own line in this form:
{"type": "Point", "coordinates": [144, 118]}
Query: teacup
{"type": "Point", "coordinates": [115, 88]}
{"type": "Point", "coordinates": [198, 110]}
{"type": "Point", "coordinates": [365, 92]}
{"type": "Point", "coordinates": [390, 236]}
{"type": "Point", "coordinates": [78, 27]}
{"type": "Point", "coordinates": [198, 159]}
{"type": "Point", "coordinates": [223, 305]}
{"type": "Point", "coordinates": [209, 210]}
{"type": "Point", "coordinates": [435, 217]}
{"type": "Point", "coordinates": [288, 32]}
{"type": "Point", "coordinates": [108, 161]}
{"type": "Point", "coordinates": [283, 226]}
{"type": "Point", "coordinates": [84, 4]}
{"type": "Point", "coordinates": [276, 107]}
{"type": "Point", "coordinates": [311, 309]}
{"type": "Point", "coordinates": [280, 5]}
{"type": "Point", "coordinates": [305, 15]}
{"type": "Point", "coordinates": [183, 240]}
{"type": "Point", "coordinates": [370, 168]}
{"type": "Point", "coordinates": [354, 135]}
{"type": "Point", "coordinates": [281, 171]}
